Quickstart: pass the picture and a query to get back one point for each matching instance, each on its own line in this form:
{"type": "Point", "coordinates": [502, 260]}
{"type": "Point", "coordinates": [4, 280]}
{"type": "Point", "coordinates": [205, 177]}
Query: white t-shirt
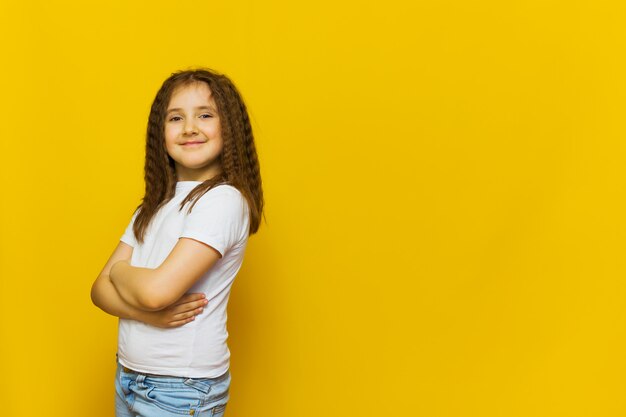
{"type": "Point", "coordinates": [220, 218]}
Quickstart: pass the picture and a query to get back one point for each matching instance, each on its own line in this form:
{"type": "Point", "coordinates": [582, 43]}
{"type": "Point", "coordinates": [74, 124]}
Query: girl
{"type": "Point", "coordinates": [169, 278]}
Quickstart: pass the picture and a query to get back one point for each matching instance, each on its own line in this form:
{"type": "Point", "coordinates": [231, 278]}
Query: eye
{"type": "Point", "coordinates": [206, 114]}
{"type": "Point", "coordinates": [175, 117]}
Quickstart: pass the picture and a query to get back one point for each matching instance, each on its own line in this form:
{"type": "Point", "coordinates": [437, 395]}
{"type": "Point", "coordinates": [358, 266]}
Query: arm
{"type": "Point", "coordinates": [155, 289]}
{"type": "Point", "coordinates": [103, 293]}
{"type": "Point", "coordinates": [105, 296]}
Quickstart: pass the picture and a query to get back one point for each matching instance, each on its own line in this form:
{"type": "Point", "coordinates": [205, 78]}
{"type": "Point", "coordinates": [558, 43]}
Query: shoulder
{"type": "Point", "coordinates": [220, 216]}
{"type": "Point", "coordinates": [225, 196]}
{"type": "Point", "coordinates": [225, 189]}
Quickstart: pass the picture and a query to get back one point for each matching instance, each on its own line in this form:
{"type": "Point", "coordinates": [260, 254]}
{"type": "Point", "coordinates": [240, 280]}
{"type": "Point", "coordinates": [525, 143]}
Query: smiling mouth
{"type": "Point", "coordinates": [192, 143]}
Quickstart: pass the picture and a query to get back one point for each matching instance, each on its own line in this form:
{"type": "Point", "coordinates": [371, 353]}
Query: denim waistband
{"type": "Point", "coordinates": [169, 378]}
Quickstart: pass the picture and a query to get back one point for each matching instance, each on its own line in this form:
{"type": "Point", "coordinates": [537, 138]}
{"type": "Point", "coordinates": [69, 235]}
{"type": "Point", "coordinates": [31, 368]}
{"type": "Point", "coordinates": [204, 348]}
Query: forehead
{"type": "Point", "coordinates": [197, 92]}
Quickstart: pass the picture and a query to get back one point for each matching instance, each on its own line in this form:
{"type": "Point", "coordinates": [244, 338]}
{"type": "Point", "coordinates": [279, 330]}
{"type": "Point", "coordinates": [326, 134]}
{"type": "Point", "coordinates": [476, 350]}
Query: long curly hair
{"type": "Point", "coordinates": [240, 165]}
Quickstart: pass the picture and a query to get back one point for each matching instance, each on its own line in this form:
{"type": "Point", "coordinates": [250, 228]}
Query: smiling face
{"type": "Point", "coordinates": [192, 133]}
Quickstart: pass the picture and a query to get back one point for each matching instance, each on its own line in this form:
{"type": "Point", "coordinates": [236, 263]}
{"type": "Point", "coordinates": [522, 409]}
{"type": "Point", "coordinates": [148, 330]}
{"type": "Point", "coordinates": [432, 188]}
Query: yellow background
{"type": "Point", "coordinates": [445, 188]}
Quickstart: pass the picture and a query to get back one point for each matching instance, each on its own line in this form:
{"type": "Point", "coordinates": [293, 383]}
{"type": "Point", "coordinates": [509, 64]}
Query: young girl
{"type": "Point", "coordinates": [169, 278]}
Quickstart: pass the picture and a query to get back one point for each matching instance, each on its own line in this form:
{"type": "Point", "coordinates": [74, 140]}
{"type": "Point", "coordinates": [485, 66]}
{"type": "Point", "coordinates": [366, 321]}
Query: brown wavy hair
{"type": "Point", "coordinates": [240, 165]}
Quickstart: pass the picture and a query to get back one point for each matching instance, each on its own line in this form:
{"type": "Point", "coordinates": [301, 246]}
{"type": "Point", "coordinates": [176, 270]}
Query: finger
{"type": "Point", "coordinates": [190, 297]}
{"type": "Point", "coordinates": [192, 305]}
{"type": "Point", "coordinates": [190, 313]}
{"type": "Point", "coordinates": [179, 323]}
{"type": "Point", "coordinates": [197, 296]}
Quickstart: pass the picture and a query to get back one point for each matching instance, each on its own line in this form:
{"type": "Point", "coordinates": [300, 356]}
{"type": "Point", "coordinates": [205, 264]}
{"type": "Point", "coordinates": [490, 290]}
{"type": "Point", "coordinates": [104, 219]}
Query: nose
{"type": "Point", "coordinates": [190, 126]}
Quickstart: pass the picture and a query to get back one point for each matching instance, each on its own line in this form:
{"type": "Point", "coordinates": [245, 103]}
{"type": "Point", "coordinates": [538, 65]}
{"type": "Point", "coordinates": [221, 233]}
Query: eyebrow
{"type": "Point", "coordinates": [197, 108]}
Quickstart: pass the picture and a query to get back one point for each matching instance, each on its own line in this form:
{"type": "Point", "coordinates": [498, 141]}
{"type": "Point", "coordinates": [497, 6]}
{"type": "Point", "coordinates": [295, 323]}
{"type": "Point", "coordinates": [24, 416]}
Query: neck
{"type": "Point", "coordinates": [185, 174]}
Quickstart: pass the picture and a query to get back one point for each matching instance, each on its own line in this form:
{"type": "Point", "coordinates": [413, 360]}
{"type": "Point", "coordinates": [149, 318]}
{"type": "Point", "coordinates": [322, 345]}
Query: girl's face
{"type": "Point", "coordinates": [192, 133]}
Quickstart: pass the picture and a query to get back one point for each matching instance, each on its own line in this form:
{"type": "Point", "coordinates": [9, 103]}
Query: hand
{"type": "Point", "coordinates": [181, 312]}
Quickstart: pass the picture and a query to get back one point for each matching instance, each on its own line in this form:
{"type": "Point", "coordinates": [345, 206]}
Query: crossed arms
{"type": "Point", "coordinates": [155, 296]}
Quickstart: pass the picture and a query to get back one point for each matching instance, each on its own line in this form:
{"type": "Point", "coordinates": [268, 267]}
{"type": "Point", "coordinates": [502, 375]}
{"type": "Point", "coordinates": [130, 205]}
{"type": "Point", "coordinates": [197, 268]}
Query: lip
{"type": "Point", "coordinates": [192, 143]}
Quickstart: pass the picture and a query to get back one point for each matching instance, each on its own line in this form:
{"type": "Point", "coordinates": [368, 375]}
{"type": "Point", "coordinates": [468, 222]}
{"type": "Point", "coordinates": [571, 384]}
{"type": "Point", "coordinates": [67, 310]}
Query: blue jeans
{"type": "Point", "coordinates": [143, 395]}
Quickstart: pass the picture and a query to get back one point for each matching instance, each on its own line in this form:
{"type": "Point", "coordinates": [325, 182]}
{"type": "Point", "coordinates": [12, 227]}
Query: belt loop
{"type": "Point", "coordinates": [140, 380]}
{"type": "Point", "coordinates": [200, 385]}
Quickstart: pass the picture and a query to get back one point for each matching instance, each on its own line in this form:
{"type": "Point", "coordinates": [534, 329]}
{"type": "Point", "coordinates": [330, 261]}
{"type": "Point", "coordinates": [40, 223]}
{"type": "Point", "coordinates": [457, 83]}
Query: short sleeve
{"type": "Point", "coordinates": [129, 237]}
{"type": "Point", "coordinates": [219, 218]}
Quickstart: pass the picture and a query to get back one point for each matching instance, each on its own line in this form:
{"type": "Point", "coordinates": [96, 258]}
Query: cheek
{"type": "Point", "coordinates": [213, 131]}
{"type": "Point", "coordinates": [170, 136]}
{"type": "Point", "coordinates": [169, 132]}
{"type": "Point", "coordinates": [218, 143]}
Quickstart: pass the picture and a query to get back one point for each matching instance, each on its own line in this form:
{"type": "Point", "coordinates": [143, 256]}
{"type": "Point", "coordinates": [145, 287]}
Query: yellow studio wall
{"type": "Point", "coordinates": [445, 188]}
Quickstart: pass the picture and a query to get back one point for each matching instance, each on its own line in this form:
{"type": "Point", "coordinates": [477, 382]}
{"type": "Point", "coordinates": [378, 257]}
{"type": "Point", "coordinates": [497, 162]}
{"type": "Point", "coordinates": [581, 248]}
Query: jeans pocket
{"type": "Point", "coordinates": [181, 400]}
{"type": "Point", "coordinates": [216, 400]}
{"type": "Point", "coordinates": [122, 383]}
{"type": "Point", "coordinates": [218, 410]}
{"type": "Point", "coordinates": [220, 390]}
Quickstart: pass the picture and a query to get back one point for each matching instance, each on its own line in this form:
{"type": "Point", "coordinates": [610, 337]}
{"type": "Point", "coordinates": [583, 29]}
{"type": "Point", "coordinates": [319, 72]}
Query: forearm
{"type": "Point", "coordinates": [136, 285]}
{"type": "Point", "coordinates": [105, 296]}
